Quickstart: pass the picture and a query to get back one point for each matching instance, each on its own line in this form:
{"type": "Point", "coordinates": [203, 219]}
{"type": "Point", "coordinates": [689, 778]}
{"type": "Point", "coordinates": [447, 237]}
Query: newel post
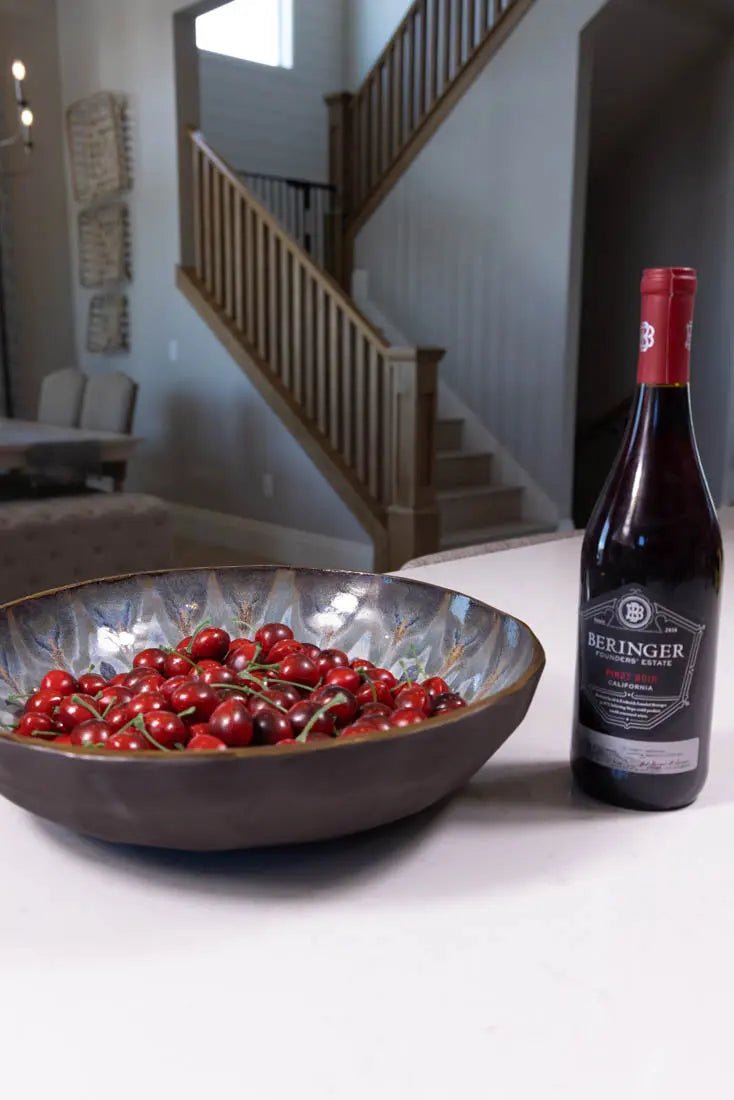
{"type": "Point", "coordinates": [413, 519]}
{"type": "Point", "coordinates": [340, 177]}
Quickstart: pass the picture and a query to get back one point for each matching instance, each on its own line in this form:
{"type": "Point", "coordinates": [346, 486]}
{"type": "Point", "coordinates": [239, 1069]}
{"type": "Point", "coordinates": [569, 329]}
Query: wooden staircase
{"type": "Point", "coordinates": [363, 411]}
{"type": "Point", "coordinates": [439, 48]}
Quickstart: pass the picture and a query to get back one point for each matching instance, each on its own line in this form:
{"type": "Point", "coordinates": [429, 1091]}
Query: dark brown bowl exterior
{"type": "Point", "coordinates": [265, 796]}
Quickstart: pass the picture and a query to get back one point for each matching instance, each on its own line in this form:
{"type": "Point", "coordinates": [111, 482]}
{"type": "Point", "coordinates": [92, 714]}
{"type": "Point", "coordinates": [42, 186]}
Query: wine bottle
{"type": "Point", "coordinates": [651, 573]}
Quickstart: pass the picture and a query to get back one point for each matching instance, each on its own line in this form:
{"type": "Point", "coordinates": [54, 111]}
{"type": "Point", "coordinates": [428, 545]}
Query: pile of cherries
{"type": "Point", "coordinates": [213, 692]}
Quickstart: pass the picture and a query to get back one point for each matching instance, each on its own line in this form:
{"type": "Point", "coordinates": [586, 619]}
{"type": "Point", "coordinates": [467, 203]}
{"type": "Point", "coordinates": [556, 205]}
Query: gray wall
{"type": "Point", "coordinates": [37, 260]}
{"type": "Point", "coordinates": [274, 120]}
{"type": "Point", "coordinates": [476, 248]}
{"type": "Point", "coordinates": [208, 437]}
{"type": "Point", "coordinates": [369, 27]}
{"type": "Point", "coordinates": [665, 198]}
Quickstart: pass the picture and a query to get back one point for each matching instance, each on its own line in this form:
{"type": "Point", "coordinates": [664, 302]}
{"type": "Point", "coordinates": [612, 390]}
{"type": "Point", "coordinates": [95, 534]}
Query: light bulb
{"type": "Point", "coordinates": [18, 70]}
{"type": "Point", "coordinates": [26, 117]}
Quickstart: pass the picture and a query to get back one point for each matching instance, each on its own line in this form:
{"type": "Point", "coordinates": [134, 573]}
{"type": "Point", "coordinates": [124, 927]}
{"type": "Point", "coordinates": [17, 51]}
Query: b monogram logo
{"type": "Point", "coordinates": [647, 336]}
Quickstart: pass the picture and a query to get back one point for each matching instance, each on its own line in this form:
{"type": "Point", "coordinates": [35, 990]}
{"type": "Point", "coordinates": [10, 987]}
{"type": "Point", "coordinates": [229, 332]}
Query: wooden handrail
{"type": "Point", "coordinates": [438, 47]}
{"type": "Point", "coordinates": [363, 410]}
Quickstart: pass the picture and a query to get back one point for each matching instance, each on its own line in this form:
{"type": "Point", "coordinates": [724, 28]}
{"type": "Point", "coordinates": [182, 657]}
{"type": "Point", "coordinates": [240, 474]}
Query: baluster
{"type": "Point", "coordinates": [227, 248]}
{"type": "Point", "coordinates": [484, 22]}
{"type": "Point", "coordinates": [458, 36]}
{"type": "Point", "coordinates": [335, 433]}
{"type": "Point", "coordinates": [384, 118]}
{"type": "Point", "coordinates": [239, 263]}
{"type": "Point", "coordinates": [360, 406]}
{"type": "Point", "coordinates": [411, 75]}
{"type": "Point", "coordinates": [260, 286]}
{"type": "Point", "coordinates": [362, 184]}
{"type": "Point", "coordinates": [309, 339]}
{"type": "Point", "coordinates": [196, 183]}
{"type": "Point", "coordinates": [471, 28]}
{"type": "Point", "coordinates": [207, 222]}
{"type": "Point", "coordinates": [397, 99]}
{"type": "Point", "coordinates": [296, 349]}
{"type": "Point", "coordinates": [498, 9]}
{"type": "Point", "coordinates": [286, 331]}
{"type": "Point", "coordinates": [321, 371]}
{"type": "Point", "coordinates": [273, 328]}
{"type": "Point", "coordinates": [217, 187]}
{"type": "Point", "coordinates": [374, 420]}
{"type": "Point", "coordinates": [447, 5]}
{"type": "Point", "coordinates": [347, 385]}
{"type": "Point", "coordinates": [420, 21]}
{"type": "Point", "coordinates": [434, 50]}
{"type": "Point", "coordinates": [250, 254]}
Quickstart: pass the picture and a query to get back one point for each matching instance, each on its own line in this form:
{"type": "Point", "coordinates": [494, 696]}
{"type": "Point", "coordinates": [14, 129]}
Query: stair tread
{"type": "Point", "coordinates": [468, 536]}
{"type": "Point", "coordinates": [467, 491]}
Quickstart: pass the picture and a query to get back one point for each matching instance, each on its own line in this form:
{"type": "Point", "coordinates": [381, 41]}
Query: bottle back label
{"type": "Point", "coordinates": [636, 671]}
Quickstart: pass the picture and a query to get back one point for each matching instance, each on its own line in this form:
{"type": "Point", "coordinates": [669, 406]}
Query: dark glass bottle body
{"type": "Point", "coordinates": [650, 584]}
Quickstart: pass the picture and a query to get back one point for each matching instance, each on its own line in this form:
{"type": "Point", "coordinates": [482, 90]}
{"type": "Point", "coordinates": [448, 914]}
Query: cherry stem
{"type": "Point", "coordinates": [87, 706]}
{"type": "Point", "coordinates": [303, 735]}
{"type": "Point", "coordinates": [187, 713]}
{"type": "Point", "coordinates": [139, 724]}
{"type": "Point", "coordinates": [180, 653]}
{"type": "Point", "coordinates": [251, 691]}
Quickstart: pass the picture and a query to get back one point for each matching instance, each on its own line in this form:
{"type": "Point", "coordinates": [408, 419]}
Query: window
{"type": "Point", "coordinates": [252, 30]}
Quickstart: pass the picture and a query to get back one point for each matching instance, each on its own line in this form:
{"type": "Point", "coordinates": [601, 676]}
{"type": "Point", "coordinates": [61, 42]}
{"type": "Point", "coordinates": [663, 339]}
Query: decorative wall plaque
{"type": "Point", "coordinates": [98, 146]}
{"type": "Point", "coordinates": [107, 325]}
{"type": "Point", "coordinates": [104, 245]}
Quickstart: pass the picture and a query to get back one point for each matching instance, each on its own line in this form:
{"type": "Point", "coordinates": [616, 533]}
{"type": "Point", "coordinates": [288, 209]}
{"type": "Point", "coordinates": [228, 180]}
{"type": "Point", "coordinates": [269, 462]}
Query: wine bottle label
{"type": "Point", "coordinates": [637, 662]}
{"type": "Point", "coordinates": [639, 757]}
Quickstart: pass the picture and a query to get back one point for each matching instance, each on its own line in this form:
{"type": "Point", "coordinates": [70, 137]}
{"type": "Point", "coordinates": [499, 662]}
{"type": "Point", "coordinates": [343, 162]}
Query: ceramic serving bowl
{"type": "Point", "coordinates": [270, 795]}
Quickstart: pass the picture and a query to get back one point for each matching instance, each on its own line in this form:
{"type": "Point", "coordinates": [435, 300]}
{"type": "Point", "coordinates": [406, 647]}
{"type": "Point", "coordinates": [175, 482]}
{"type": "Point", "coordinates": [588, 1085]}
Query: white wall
{"type": "Point", "coordinates": [37, 260]}
{"type": "Point", "coordinates": [369, 26]}
{"type": "Point", "coordinates": [274, 120]}
{"type": "Point", "coordinates": [665, 198]}
{"type": "Point", "coordinates": [475, 249]}
{"type": "Point", "coordinates": [208, 437]}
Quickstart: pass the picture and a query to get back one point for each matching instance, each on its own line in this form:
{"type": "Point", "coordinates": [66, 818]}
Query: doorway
{"type": "Point", "coordinates": [659, 192]}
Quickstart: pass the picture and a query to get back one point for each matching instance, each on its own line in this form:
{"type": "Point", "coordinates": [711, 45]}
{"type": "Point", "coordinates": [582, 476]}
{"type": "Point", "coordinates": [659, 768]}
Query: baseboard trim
{"type": "Point", "coordinates": [255, 538]}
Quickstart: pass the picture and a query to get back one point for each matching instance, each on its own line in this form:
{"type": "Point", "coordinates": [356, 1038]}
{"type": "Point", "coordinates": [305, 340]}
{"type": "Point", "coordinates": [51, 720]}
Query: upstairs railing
{"type": "Point", "coordinates": [370, 407]}
{"type": "Point", "coordinates": [304, 208]}
{"type": "Point", "coordinates": [417, 72]}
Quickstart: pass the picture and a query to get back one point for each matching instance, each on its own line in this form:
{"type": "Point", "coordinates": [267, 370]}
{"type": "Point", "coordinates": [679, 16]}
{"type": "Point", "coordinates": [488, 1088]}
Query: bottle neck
{"type": "Point", "coordinates": [666, 333]}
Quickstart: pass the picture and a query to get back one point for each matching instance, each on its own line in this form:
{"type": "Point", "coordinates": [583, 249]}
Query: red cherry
{"type": "Point", "coordinates": [118, 716]}
{"type": "Point", "coordinates": [269, 634]}
{"type": "Point", "coordinates": [375, 710]}
{"type": "Point", "coordinates": [118, 678]}
{"type": "Point", "coordinates": [302, 714]}
{"type": "Point", "coordinates": [169, 686]}
{"type": "Point", "coordinates": [64, 739]}
{"type": "Point", "coordinates": [43, 702]}
{"type": "Point", "coordinates": [217, 674]}
{"type": "Point", "coordinates": [331, 658]}
{"type": "Point", "coordinates": [288, 741]}
{"type": "Point", "coordinates": [59, 681]}
{"type": "Point", "coordinates": [201, 697]}
{"type": "Point", "coordinates": [435, 685]}
{"type": "Point", "coordinates": [205, 742]}
{"type": "Point", "coordinates": [375, 692]}
{"type": "Point", "coordinates": [416, 698]}
{"type": "Point", "coordinates": [128, 741]}
{"type": "Point", "coordinates": [281, 649]}
{"type": "Point", "coordinates": [447, 700]}
{"type": "Point", "coordinates": [272, 699]}
{"type": "Point", "coordinates": [232, 724]}
{"type": "Point", "coordinates": [299, 669]}
{"type": "Point", "coordinates": [245, 649]}
{"type": "Point", "coordinates": [199, 727]}
{"type": "Point", "coordinates": [91, 684]}
{"type": "Point", "coordinates": [76, 709]}
{"type": "Point", "coordinates": [211, 642]}
{"type": "Point", "coordinates": [35, 725]}
{"type": "Point", "coordinates": [167, 728]}
{"type": "Point", "coordinates": [146, 701]}
{"type": "Point", "coordinates": [271, 727]}
{"type": "Point", "coordinates": [406, 716]}
{"type": "Point", "coordinates": [361, 662]}
{"type": "Point", "coordinates": [92, 732]}
{"type": "Point", "coordinates": [380, 676]}
{"type": "Point", "coordinates": [342, 712]}
{"type": "Point", "coordinates": [113, 694]}
{"type": "Point", "coordinates": [311, 651]}
{"type": "Point", "coordinates": [344, 677]}
{"type": "Point", "coordinates": [317, 735]}
{"type": "Point", "coordinates": [238, 660]}
{"type": "Point", "coordinates": [177, 664]}
{"type": "Point", "coordinates": [364, 725]}
{"type": "Point", "coordinates": [150, 658]}
{"type": "Point", "coordinates": [183, 645]}
{"type": "Point", "coordinates": [152, 683]}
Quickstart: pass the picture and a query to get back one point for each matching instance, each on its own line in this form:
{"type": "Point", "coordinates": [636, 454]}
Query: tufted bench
{"type": "Point", "coordinates": [47, 543]}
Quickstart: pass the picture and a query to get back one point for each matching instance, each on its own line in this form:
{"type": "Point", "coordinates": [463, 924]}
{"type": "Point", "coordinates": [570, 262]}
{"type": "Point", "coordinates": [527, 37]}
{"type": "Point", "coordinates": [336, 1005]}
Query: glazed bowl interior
{"type": "Point", "coordinates": [414, 629]}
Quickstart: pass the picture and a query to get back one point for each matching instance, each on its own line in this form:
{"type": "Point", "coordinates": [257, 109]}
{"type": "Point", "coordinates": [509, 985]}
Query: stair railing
{"type": "Point", "coordinates": [369, 407]}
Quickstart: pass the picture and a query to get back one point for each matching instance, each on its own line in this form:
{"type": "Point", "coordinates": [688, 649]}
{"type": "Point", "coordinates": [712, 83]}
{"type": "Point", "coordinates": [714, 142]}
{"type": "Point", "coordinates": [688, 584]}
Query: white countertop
{"type": "Point", "coordinates": [520, 942]}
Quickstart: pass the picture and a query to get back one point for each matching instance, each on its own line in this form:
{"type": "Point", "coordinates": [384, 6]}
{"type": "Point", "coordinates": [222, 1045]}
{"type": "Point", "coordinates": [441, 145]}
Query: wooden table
{"type": "Point", "coordinates": [520, 942]}
{"type": "Point", "coordinates": [18, 436]}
